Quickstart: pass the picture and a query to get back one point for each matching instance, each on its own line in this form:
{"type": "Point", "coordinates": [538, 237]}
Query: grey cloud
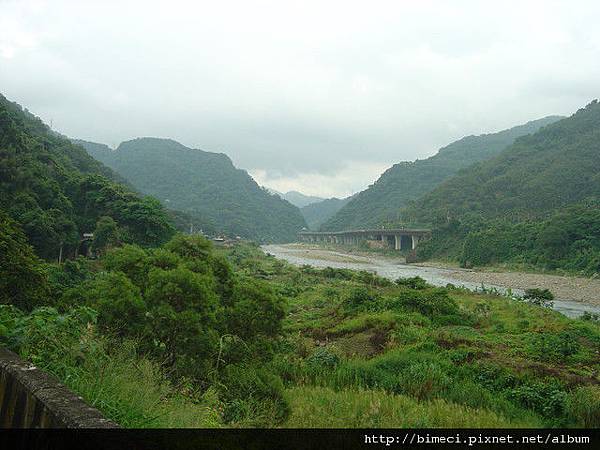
{"type": "Point", "coordinates": [305, 94]}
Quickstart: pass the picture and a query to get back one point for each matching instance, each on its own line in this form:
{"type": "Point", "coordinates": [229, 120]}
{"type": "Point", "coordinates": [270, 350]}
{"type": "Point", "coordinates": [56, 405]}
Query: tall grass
{"type": "Point", "coordinates": [356, 408]}
{"type": "Point", "coordinates": [133, 391]}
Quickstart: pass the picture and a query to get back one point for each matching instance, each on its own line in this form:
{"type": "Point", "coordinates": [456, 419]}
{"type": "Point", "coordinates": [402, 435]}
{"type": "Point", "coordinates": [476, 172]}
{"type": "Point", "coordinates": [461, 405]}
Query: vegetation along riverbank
{"type": "Point", "coordinates": [189, 335]}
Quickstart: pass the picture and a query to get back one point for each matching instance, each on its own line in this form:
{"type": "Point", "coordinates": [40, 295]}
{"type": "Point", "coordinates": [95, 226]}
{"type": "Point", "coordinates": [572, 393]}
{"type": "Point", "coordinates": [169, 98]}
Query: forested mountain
{"type": "Point", "coordinates": [56, 192]}
{"type": "Point", "coordinates": [317, 213]}
{"type": "Point", "coordinates": [298, 198]}
{"type": "Point", "coordinates": [205, 184]}
{"type": "Point", "coordinates": [536, 202]}
{"type": "Point", "coordinates": [406, 181]}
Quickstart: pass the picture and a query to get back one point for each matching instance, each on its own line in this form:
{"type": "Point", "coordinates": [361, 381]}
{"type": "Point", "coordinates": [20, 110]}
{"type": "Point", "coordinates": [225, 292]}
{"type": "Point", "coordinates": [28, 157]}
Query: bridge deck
{"type": "Point", "coordinates": [381, 231]}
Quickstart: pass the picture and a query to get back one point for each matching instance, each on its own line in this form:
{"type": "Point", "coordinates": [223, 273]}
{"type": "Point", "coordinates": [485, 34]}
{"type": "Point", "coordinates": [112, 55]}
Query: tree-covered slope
{"type": "Point", "coordinates": [406, 181]}
{"type": "Point", "coordinates": [537, 202]}
{"type": "Point", "coordinates": [554, 167]}
{"type": "Point", "coordinates": [203, 183]}
{"type": "Point", "coordinates": [56, 192]}
{"type": "Point", "coordinates": [317, 213]}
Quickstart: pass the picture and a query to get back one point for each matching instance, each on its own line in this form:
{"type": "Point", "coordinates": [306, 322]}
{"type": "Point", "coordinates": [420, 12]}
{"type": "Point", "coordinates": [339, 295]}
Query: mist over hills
{"type": "Point", "coordinates": [317, 213]}
{"type": "Point", "coordinates": [202, 183]}
{"type": "Point", "coordinates": [406, 181]}
{"type": "Point", "coordinates": [315, 210]}
{"type": "Point", "coordinates": [297, 198]}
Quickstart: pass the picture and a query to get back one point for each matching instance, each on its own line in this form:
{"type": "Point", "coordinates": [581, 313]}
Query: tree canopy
{"type": "Point", "coordinates": [56, 192]}
{"type": "Point", "coordinates": [537, 202]}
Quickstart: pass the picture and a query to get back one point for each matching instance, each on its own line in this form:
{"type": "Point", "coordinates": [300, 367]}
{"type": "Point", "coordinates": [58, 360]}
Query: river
{"type": "Point", "coordinates": [392, 269]}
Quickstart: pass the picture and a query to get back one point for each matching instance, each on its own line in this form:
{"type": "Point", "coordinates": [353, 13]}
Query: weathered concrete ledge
{"type": "Point", "coordinates": [31, 398]}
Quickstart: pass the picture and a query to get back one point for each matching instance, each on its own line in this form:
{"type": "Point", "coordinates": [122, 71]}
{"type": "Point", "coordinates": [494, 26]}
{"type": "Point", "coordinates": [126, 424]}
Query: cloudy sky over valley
{"type": "Point", "coordinates": [316, 96]}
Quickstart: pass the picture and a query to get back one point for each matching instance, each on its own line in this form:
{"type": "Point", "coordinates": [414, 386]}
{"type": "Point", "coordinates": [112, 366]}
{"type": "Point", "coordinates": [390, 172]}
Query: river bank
{"type": "Point", "coordinates": [574, 294]}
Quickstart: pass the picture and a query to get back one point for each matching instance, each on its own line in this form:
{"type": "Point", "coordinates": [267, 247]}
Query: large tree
{"type": "Point", "coordinates": [23, 282]}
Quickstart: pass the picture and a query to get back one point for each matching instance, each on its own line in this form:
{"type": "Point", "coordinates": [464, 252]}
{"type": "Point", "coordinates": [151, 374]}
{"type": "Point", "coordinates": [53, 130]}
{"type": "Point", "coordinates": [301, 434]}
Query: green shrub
{"type": "Point", "coordinates": [434, 302]}
{"type": "Point", "coordinates": [371, 279]}
{"type": "Point", "coordinates": [323, 358]}
{"type": "Point", "coordinates": [252, 396]}
{"type": "Point", "coordinates": [360, 299]}
{"type": "Point", "coordinates": [539, 297]}
{"type": "Point", "coordinates": [590, 317]}
{"type": "Point", "coordinates": [115, 298]}
{"type": "Point", "coordinates": [331, 272]}
{"type": "Point", "coordinates": [413, 282]}
{"type": "Point", "coordinates": [556, 347]}
{"type": "Point", "coordinates": [545, 398]}
{"type": "Point", "coordinates": [583, 405]}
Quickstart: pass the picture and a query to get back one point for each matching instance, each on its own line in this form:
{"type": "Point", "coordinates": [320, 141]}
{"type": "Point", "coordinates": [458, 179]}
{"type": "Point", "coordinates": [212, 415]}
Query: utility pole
{"type": "Point", "coordinates": [60, 253]}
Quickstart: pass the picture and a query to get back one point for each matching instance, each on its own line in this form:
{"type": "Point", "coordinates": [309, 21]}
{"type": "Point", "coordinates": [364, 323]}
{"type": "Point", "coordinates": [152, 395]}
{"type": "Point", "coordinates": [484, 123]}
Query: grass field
{"type": "Point", "coordinates": [359, 350]}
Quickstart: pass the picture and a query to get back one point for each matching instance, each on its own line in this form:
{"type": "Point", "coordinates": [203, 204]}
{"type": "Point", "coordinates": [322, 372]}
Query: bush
{"type": "Point", "coordinates": [252, 396]}
{"type": "Point", "coordinates": [583, 405]}
{"type": "Point", "coordinates": [45, 337]}
{"type": "Point", "coordinates": [539, 297]}
{"type": "Point", "coordinates": [553, 346]}
{"type": "Point", "coordinates": [256, 310]}
{"type": "Point", "coordinates": [360, 299]}
{"type": "Point", "coordinates": [545, 398]}
{"type": "Point", "coordinates": [430, 303]}
{"type": "Point", "coordinates": [342, 274]}
{"type": "Point", "coordinates": [127, 388]}
{"type": "Point", "coordinates": [323, 358]}
{"type": "Point", "coordinates": [116, 299]}
{"type": "Point", "coordinates": [413, 283]}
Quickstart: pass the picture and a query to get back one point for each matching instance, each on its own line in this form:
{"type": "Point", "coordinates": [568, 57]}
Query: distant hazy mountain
{"type": "Point", "coordinates": [406, 181]}
{"type": "Point", "coordinates": [317, 213]}
{"type": "Point", "coordinates": [202, 183]}
{"type": "Point", "coordinates": [297, 198]}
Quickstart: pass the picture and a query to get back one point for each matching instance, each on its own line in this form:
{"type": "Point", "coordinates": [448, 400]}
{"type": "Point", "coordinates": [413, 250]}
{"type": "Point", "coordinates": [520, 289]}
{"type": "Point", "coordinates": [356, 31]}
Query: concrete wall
{"type": "Point", "coordinates": [30, 398]}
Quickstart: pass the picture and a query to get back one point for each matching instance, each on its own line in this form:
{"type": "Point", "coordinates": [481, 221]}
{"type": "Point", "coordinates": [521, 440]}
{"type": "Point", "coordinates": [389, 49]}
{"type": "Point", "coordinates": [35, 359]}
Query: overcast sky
{"type": "Point", "coordinates": [317, 96]}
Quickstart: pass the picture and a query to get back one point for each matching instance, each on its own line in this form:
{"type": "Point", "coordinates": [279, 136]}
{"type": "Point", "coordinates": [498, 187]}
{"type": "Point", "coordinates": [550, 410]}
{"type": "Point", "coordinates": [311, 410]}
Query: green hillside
{"type": "Point", "coordinates": [317, 213]}
{"type": "Point", "coordinates": [406, 181]}
{"type": "Point", "coordinates": [56, 192]}
{"type": "Point", "coordinates": [205, 184]}
{"type": "Point", "coordinates": [537, 202]}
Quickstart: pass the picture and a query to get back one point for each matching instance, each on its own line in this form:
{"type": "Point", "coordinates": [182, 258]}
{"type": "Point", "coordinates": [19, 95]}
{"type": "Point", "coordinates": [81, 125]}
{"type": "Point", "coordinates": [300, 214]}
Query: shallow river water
{"type": "Point", "coordinates": [393, 270]}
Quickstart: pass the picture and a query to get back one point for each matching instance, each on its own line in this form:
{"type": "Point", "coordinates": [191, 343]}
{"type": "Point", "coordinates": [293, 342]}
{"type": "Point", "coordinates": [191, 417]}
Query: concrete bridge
{"type": "Point", "coordinates": [398, 238]}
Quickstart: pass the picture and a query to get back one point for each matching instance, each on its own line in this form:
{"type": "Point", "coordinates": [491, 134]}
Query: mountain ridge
{"type": "Point", "coordinates": [204, 183]}
{"type": "Point", "coordinates": [537, 203]}
{"type": "Point", "coordinates": [407, 180]}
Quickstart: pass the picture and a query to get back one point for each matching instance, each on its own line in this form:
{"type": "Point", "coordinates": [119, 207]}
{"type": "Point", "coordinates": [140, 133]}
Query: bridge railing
{"type": "Point", "coordinates": [31, 398]}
